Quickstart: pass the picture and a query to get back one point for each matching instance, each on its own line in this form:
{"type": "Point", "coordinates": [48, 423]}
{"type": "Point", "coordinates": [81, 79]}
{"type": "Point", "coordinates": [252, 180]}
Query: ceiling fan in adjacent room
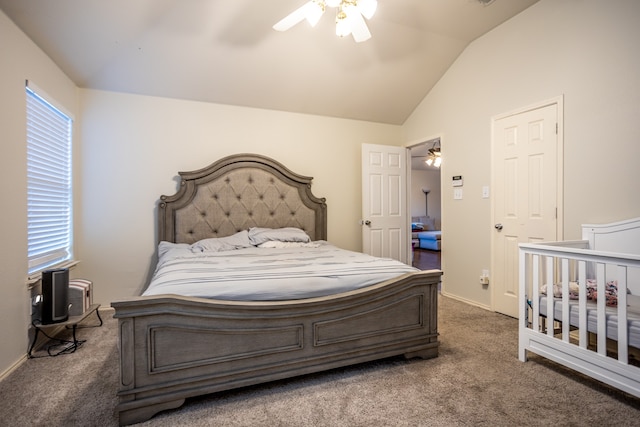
{"type": "Point", "coordinates": [433, 156]}
{"type": "Point", "coordinates": [350, 16]}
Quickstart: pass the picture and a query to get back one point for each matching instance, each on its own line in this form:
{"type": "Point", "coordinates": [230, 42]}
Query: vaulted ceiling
{"type": "Point", "coordinates": [225, 51]}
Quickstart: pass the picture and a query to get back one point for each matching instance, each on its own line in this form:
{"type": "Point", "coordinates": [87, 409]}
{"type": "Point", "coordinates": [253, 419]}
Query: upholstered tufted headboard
{"type": "Point", "coordinates": [236, 193]}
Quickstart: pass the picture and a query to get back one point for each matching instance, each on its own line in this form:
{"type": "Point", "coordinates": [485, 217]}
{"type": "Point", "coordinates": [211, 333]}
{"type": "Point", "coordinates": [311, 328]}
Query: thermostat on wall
{"type": "Point", "coordinates": [457, 181]}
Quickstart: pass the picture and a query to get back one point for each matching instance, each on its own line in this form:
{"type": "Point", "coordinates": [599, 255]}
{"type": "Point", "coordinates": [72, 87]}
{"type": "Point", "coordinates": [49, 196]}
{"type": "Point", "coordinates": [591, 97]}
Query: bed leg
{"type": "Point", "coordinates": [138, 415]}
{"type": "Point", "coordinates": [427, 353]}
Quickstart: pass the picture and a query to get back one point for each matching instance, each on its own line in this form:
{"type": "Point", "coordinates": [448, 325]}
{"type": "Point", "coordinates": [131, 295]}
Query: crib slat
{"type": "Point", "coordinates": [601, 309]}
{"type": "Point", "coordinates": [582, 304]}
{"type": "Point", "coordinates": [549, 282]}
{"type": "Point", "coordinates": [565, 300]}
{"type": "Point", "coordinates": [623, 324]}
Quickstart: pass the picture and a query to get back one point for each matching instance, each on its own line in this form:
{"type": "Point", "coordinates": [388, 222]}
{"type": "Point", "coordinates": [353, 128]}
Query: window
{"type": "Point", "coordinates": [49, 189]}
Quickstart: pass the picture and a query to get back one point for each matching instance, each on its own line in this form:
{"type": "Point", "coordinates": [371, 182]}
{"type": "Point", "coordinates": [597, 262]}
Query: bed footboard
{"type": "Point", "coordinates": [172, 348]}
{"type": "Point", "coordinates": [585, 327]}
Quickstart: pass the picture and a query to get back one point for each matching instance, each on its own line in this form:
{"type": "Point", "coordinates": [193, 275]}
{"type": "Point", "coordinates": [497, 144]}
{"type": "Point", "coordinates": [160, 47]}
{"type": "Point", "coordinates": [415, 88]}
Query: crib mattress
{"type": "Point", "coordinates": [633, 318]}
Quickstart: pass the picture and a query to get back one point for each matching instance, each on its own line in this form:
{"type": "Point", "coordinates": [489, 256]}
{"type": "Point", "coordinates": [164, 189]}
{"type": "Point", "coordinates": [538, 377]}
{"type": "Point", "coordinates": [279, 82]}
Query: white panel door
{"type": "Point", "coordinates": [525, 181]}
{"type": "Point", "coordinates": [384, 201]}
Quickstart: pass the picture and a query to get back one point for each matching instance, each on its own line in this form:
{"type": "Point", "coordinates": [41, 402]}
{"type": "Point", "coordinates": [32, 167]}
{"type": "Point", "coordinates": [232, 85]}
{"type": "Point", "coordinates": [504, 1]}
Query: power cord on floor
{"type": "Point", "coordinates": [68, 346]}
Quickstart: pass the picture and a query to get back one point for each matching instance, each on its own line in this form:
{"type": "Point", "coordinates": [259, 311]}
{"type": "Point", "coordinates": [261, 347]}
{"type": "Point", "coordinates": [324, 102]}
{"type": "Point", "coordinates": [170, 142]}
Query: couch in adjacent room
{"type": "Point", "coordinates": [424, 234]}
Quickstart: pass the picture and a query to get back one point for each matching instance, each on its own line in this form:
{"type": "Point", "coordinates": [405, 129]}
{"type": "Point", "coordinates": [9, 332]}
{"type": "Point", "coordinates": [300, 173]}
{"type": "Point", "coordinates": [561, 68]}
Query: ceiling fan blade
{"type": "Point", "coordinates": [359, 28]}
{"type": "Point", "coordinates": [367, 7]}
{"type": "Point", "coordinates": [311, 11]}
{"type": "Point", "coordinates": [293, 18]}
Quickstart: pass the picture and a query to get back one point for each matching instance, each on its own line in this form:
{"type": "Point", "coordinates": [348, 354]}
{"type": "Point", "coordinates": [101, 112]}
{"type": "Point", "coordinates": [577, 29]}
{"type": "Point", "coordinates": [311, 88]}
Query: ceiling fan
{"type": "Point", "coordinates": [350, 16]}
{"type": "Point", "coordinates": [433, 156]}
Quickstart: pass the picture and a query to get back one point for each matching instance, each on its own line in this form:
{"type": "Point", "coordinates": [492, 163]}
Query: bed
{"type": "Point", "coordinates": [173, 347]}
{"type": "Point", "coordinates": [580, 303]}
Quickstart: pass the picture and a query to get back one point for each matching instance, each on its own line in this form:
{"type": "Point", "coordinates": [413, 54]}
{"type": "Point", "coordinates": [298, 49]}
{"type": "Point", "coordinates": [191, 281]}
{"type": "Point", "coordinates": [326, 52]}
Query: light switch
{"type": "Point", "coordinates": [485, 192]}
{"type": "Point", "coordinates": [457, 193]}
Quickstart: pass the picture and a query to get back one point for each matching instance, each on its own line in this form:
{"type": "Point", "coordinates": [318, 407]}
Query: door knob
{"type": "Point", "coordinates": [367, 222]}
{"type": "Point", "coordinates": [498, 227]}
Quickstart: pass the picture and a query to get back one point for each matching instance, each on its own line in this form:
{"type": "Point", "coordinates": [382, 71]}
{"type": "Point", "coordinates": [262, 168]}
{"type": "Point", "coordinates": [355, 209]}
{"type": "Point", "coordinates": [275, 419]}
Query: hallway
{"type": "Point", "coordinates": [425, 259]}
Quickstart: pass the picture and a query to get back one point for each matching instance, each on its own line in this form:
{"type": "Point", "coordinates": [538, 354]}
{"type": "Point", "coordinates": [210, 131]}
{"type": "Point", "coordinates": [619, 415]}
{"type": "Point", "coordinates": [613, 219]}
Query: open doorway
{"type": "Point", "coordinates": [425, 203]}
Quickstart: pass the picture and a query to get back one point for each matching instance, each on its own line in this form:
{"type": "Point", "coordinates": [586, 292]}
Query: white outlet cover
{"type": "Point", "coordinates": [457, 194]}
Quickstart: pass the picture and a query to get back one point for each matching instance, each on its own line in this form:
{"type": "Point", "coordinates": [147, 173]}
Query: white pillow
{"type": "Point", "coordinates": [259, 235]}
{"type": "Point", "coordinates": [218, 244]}
{"type": "Point", "coordinates": [173, 249]}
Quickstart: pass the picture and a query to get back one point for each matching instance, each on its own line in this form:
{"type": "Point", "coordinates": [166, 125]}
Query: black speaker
{"type": "Point", "coordinates": [55, 296]}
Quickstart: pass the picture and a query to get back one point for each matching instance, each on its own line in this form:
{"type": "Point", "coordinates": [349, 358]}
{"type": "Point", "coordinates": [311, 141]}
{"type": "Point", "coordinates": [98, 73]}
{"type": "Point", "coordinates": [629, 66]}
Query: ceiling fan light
{"type": "Point", "coordinates": [437, 162]}
{"type": "Point", "coordinates": [358, 27]}
{"type": "Point", "coordinates": [429, 161]}
{"type": "Point", "coordinates": [313, 12]}
{"type": "Point", "coordinates": [343, 28]}
{"type": "Point", "coordinates": [350, 16]}
{"type": "Point", "coordinates": [368, 7]}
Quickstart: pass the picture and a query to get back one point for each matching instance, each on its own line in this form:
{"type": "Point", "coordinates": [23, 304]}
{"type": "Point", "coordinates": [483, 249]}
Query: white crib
{"type": "Point", "coordinates": [583, 334]}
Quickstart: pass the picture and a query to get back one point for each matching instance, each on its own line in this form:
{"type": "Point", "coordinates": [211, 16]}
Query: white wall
{"type": "Point", "coordinates": [586, 50]}
{"type": "Point", "coordinates": [21, 60]}
{"type": "Point", "coordinates": [133, 147]}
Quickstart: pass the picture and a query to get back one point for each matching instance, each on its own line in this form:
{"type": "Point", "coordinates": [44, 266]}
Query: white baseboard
{"type": "Point", "coordinates": [13, 367]}
{"type": "Point", "coordinates": [464, 300]}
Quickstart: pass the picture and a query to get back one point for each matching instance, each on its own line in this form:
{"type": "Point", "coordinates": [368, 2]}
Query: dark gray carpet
{"type": "Point", "coordinates": [476, 381]}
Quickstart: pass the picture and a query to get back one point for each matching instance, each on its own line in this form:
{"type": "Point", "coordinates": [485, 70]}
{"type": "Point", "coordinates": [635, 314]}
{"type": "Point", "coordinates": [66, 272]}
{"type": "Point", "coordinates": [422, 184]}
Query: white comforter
{"type": "Point", "coordinates": [270, 274]}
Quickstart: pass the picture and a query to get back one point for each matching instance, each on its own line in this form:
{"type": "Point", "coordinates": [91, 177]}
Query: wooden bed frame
{"type": "Point", "coordinates": [174, 347]}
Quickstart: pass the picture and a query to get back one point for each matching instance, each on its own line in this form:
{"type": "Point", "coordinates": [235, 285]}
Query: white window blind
{"type": "Point", "coordinates": [49, 189]}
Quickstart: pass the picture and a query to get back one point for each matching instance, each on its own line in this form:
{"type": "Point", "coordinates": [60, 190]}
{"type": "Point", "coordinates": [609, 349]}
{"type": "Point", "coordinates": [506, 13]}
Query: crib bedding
{"type": "Point", "coordinates": [633, 317]}
{"type": "Point", "coordinates": [269, 274]}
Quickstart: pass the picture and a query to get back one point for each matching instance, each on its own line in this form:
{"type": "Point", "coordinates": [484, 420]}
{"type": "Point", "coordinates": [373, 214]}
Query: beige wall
{"type": "Point", "coordinates": [133, 147]}
{"type": "Point", "coordinates": [584, 50]}
{"type": "Point", "coordinates": [20, 60]}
